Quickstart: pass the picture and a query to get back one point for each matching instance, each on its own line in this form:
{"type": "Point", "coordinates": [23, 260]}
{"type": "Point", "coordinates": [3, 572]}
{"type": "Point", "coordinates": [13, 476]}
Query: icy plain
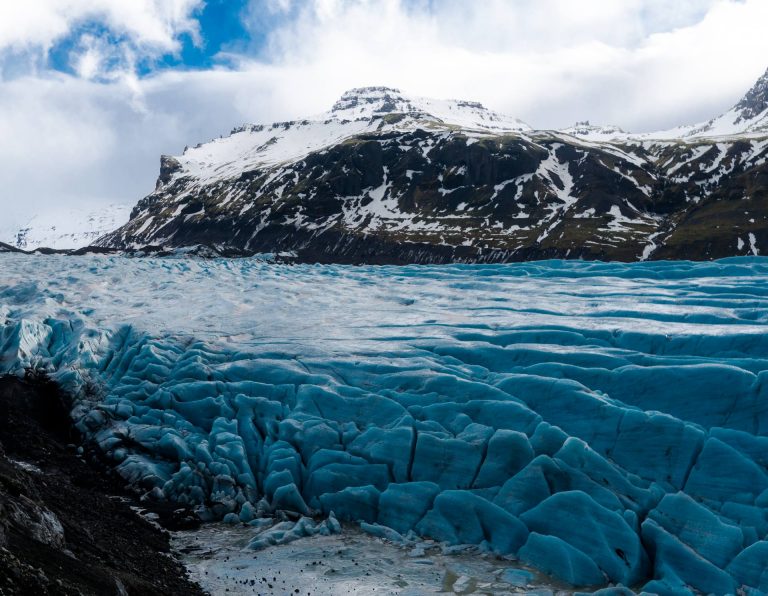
{"type": "Point", "coordinates": [604, 423]}
{"type": "Point", "coordinates": [352, 563]}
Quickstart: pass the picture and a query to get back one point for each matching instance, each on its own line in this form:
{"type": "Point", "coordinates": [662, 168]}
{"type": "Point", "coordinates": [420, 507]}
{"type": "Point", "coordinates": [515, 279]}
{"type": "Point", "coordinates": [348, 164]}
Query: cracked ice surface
{"type": "Point", "coordinates": [351, 562]}
{"type": "Point", "coordinates": [601, 422]}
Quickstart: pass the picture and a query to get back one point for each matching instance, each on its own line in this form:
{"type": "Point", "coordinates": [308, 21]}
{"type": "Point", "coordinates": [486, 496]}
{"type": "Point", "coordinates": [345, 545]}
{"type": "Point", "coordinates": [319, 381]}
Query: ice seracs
{"type": "Point", "coordinates": [603, 422]}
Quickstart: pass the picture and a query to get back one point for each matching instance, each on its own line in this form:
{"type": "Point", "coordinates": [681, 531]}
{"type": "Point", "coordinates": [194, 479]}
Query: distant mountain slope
{"type": "Point", "coordinates": [61, 228]}
{"type": "Point", "coordinates": [385, 178]}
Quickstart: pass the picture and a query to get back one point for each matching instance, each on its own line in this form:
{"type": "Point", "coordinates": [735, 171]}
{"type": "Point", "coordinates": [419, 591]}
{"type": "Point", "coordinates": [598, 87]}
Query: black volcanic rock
{"type": "Point", "coordinates": [64, 529]}
{"type": "Point", "coordinates": [8, 248]}
{"type": "Point", "coordinates": [168, 167]}
{"type": "Point", "coordinates": [755, 102]}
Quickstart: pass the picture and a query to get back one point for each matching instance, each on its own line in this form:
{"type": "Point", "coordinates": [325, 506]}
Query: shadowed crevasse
{"type": "Point", "coordinates": [603, 422]}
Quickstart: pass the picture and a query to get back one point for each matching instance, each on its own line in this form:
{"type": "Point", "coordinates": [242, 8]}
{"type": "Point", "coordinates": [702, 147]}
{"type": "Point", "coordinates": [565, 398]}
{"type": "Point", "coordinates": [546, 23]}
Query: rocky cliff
{"type": "Point", "coordinates": [384, 178]}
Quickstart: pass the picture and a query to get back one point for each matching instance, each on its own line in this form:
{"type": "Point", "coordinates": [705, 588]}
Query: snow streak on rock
{"type": "Point", "coordinates": [383, 178]}
{"type": "Point", "coordinates": [602, 422]}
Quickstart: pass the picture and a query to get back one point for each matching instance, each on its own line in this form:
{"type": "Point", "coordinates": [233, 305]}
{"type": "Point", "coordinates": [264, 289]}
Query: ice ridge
{"type": "Point", "coordinates": [606, 423]}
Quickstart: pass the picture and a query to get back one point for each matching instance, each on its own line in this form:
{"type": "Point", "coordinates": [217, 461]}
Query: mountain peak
{"type": "Point", "coordinates": [748, 117]}
{"type": "Point", "coordinates": [592, 131]}
{"type": "Point", "coordinates": [371, 101]}
{"type": "Point", "coordinates": [369, 94]}
{"type": "Point", "coordinates": [376, 102]}
{"type": "Point", "coordinates": [755, 102]}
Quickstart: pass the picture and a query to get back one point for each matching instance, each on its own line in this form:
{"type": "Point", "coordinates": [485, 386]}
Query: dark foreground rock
{"type": "Point", "coordinates": [64, 527]}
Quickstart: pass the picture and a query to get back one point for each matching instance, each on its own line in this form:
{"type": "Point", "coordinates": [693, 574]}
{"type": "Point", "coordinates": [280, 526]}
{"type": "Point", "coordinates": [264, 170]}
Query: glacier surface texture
{"type": "Point", "coordinates": [605, 423]}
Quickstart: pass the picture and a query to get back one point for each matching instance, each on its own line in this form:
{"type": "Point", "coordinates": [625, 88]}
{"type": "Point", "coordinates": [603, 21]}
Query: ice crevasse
{"type": "Point", "coordinates": [605, 423]}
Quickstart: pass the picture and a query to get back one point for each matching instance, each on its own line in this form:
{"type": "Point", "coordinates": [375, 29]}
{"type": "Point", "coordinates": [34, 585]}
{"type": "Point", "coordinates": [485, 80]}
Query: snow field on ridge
{"type": "Point", "coordinates": [605, 423]}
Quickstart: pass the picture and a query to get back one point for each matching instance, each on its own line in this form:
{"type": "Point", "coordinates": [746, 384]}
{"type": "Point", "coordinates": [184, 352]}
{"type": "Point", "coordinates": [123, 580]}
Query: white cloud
{"type": "Point", "coordinates": [97, 136]}
{"type": "Point", "coordinates": [87, 60]}
{"type": "Point", "coordinates": [74, 141]}
{"type": "Point", "coordinates": [148, 28]}
{"type": "Point", "coordinates": [151, 23]}
{"type": "Point", "coordinates": [642, 64]}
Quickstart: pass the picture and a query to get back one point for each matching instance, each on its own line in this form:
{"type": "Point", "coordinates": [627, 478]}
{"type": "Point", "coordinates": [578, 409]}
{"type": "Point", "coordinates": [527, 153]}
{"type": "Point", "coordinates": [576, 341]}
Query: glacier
{"type": "Point", "coordinates": [605, 423]}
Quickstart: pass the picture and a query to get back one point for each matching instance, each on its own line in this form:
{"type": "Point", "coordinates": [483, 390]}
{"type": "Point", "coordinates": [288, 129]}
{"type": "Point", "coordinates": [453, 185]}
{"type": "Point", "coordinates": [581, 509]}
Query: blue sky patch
{"type": "Point", "coordinates": [222, 30]}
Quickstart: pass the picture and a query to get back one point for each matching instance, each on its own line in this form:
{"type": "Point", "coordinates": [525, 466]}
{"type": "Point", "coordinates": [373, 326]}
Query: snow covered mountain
{"type": "Point", "coordinates": [370, 110]}
{"type": "Point", "coordinates": [383, 177]}
{"type": "Point", "coordinates": [748, 117]}
{"type": "Point", "coordinates": [61, 228]}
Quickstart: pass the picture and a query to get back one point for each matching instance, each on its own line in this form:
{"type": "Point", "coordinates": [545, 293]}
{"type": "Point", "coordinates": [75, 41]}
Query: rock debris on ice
{"type": "Point", "coordinates": [605, 423]}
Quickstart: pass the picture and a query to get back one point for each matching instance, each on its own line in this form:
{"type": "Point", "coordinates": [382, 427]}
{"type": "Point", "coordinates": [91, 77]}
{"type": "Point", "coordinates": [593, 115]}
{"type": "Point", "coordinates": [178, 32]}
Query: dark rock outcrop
{"type": "Point", "coordinates": [63, 530]}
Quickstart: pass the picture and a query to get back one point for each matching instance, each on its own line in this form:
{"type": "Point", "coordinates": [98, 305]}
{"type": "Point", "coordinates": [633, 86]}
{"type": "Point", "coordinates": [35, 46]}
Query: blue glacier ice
{"type": "Point", "coordinates": [606, 423]}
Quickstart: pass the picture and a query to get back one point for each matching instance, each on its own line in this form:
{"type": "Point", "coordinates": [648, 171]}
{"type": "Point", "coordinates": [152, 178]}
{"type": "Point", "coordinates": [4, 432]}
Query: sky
{"type": "Point", "coordinates": [92, 92]}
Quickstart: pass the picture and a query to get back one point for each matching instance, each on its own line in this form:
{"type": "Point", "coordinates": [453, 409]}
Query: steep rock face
{"type": "Point", "coordinates": [383, 178]}
{"type": "Point", "coordinates": [755, 102]}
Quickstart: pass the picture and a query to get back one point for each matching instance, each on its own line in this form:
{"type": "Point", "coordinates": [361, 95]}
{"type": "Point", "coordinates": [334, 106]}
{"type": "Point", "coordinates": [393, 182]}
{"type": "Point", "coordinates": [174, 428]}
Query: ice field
{"type": "Point", "coordinates": [351, 563]}
{"type": "Point", "coordinates": [603, 423]}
